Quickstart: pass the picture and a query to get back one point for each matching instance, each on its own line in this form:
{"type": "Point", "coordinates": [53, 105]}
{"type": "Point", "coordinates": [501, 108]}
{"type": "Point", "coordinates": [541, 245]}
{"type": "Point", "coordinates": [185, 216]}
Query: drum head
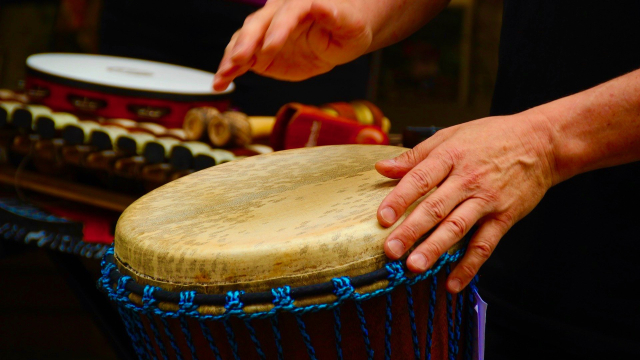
{"type": "Point", "coordinates": [295, 217]}
{"type": "Point", "coordinates": [131, 77]}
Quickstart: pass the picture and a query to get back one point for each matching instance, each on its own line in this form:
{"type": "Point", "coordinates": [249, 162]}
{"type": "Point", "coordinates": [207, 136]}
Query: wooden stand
{"type": "Point", "coordinates": [63, 189]}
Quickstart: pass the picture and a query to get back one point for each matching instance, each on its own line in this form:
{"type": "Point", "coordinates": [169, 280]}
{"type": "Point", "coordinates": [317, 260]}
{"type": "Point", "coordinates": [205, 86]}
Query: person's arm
{"type": "Point", "coordinates": [297, 39]}
{"type": "Point", "coordinates": [494, 171]}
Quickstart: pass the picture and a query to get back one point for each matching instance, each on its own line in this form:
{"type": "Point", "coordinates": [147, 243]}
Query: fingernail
{"type": "Point", "coordinates": [455, 285]}
{"type": "Point", "coordinates": [389, 162]}
{"type": "Point", "coordinates": [388, 215]}
{"type": "Point", "coordinates": [396, 247]}
{"type": "Point", "coordinates": [419, 261]}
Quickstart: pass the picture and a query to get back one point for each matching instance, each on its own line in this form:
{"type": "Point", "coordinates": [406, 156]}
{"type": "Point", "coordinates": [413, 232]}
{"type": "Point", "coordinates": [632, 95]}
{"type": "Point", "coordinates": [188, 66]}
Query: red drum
{"type": "Point", "coordinates": [117, 87]}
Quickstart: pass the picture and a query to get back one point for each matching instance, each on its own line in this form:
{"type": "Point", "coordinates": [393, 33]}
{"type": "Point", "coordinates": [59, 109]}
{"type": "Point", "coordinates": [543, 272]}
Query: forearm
{"type": "Point", "coordinates": [394, 20]}
{"type": "Point", "coordinates": [593, 129]}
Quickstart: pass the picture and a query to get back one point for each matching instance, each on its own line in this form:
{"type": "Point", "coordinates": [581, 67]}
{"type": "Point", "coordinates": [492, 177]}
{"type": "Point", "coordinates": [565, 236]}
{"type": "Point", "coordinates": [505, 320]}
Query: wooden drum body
{"type": "Point", "coordinates": [279, 256]}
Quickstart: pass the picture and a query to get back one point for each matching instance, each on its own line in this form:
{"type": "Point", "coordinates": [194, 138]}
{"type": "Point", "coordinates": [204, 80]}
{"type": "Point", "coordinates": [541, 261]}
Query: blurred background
{"type": "Point", "coordinates": [441, 76]}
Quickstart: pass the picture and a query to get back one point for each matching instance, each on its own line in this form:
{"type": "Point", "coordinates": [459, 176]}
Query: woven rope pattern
{"type": "Point", "coordinates": [283, 302]}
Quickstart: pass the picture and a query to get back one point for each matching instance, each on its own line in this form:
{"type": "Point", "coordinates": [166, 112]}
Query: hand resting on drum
{"type": "Point", "coordinates": [494, 171]}
{"type": "Point", "coordinates": [491, 171]}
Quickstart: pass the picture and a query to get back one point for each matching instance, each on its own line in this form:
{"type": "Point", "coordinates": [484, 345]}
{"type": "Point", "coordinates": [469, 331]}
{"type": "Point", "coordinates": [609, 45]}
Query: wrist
{"type": "Point", "coordinates": [541, 140]}
{"type": "Point", "coordinates": [566, 146]}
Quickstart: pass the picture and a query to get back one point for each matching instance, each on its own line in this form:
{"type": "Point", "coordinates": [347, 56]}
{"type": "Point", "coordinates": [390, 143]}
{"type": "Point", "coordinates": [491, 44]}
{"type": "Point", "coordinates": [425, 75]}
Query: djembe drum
{"type": "Point", "coordinates": [279, 256]}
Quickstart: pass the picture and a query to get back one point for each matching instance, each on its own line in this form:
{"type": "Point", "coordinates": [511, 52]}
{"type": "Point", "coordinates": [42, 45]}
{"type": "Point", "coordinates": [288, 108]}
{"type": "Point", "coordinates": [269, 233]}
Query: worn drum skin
{"type": "Point", "coordinates": [280, 227]}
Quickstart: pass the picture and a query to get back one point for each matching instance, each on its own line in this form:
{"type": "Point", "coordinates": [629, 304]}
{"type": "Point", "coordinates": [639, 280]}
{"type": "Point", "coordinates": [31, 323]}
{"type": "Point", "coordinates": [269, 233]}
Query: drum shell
{"type": "Point", "coordinates": [118, 105]}
{"type": "Point", "coordinates": [320, 327]}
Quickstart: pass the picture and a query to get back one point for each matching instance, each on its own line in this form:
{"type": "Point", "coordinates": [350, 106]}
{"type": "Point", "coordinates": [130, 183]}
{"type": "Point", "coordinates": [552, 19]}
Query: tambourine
{"type": "Point", "coordinates": [117, 87]}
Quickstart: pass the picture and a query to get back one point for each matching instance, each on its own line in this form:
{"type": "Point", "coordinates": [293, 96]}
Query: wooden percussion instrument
{"type": "Point", "coordinates": [48, 126]}
{"type": "Point", "coordinates": [228, 129]}
{"type": "Point", "coordinates": [6, 112]}
{"type": "Point", "coordinates": [24, 117]}
{"type": "Point", "coordinates": [279, 256]}
{"type": "Point", "coordinates": [116, 87]}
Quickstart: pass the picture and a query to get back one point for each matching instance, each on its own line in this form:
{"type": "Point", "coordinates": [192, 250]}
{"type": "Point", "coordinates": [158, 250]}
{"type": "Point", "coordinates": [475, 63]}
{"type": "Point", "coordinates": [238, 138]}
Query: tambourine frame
{"type": "Point", "coordinates": [109, 89]}
{"type": "Point", "coordinates": [137, 100]}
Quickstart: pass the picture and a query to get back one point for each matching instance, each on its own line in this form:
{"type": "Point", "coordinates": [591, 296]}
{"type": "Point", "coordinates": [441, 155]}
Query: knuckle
{"type": "Point", "coordinates": [402, 201]}
{"type": "Point", "coordinates": [420, 179]}
{"type": "Point", "coordinates": [411, 234]}
{"type": "Point", "coordinates": [490, 196]}
{"type": "Point", "coordinates": [471, 181]}
{"type": "Point", "coordinates": [432, 250]}
{"type": "Point", "coordinates": [409, 157]}
{"type": "Point", "coordinates": [505, 220]}
{"type": "Point", "coordinates": [466, 270]}
{"type": "Point", "coordinates": [435, 208]}
{"type": "Point", "coordinates": [456, 226]}
{"type": "Point", "coordinates": [481, 248]}
{"type": "Point", "coordinates": [453, 154]}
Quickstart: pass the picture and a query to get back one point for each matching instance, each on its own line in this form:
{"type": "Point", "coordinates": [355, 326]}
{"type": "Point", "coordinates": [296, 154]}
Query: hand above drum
{"type": "Point", "coordinates": [490, 172]}
{"type": "Point", "coordinates": [295, 40]}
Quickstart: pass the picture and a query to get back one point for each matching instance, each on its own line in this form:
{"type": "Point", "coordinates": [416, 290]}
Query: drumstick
{"type": "Point", "coordinates": [231, 128]}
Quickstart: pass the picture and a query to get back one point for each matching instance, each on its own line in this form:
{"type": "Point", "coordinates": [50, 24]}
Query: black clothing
{"type": "Point", "coordinates": [559, 285]}
{"type": "Point", "coordinates": [195, 33]}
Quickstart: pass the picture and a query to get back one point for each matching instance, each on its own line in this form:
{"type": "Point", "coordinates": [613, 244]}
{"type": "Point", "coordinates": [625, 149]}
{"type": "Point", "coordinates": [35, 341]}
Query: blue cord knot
{"type": "Point", "coordinates": [104, 262]}
{"type": "Point", "coordinates": [342, 288]}
{"type": "Point", "coordinates": [186, 302]}
{"type": "Point", "coordinates": [148, 301]}
{"type": "Point", "coordinates": [106, 275]}
{"type": "Point", "coordinates": [282, 297]}
{"type": "Point", "coordinates": [233, 304]}
{"type": "Point", "coordinates": [122, 283]}
{"type": "Point", "coordinates": [396, 272]}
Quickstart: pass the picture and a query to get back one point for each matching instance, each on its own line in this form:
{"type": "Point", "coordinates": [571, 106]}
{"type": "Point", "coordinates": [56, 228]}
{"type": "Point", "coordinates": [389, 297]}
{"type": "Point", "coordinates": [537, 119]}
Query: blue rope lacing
{"type": "Point", "coordinates": [283, 302]}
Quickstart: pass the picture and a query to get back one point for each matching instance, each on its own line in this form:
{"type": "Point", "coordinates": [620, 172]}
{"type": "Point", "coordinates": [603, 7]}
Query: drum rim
{"type": "Point", "coordinates": [123, 91]}
{"type": "Point", "coordinates": [112, 275]}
